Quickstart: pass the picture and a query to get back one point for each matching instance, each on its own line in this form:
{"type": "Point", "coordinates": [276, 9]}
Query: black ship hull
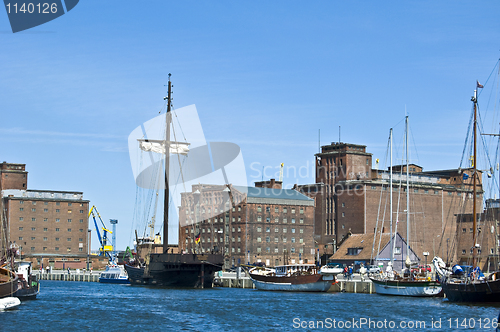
{"type": "Point", "coordinates": [477, 291]}
{"type": "Point", "coordinates": [177, 270]}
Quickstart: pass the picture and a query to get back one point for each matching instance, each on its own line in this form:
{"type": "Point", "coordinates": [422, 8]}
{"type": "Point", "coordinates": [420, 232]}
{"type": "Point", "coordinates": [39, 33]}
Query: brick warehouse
{"type": "Point", "coordinates": [48, 227]}
{"type": "Point", "coordinates": [270, 225]}
{"type": "Point", "coordinates": [353, 191]}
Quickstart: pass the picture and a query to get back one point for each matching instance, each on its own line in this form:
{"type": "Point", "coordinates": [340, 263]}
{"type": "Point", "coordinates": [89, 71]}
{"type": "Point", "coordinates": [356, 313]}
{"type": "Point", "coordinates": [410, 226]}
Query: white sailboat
{"type": "Point", "coordinates": [390, 282]}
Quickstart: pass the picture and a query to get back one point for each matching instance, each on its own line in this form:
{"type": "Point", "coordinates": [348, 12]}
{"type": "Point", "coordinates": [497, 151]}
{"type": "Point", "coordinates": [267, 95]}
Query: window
{"type": "Point", "coordinates": [21, 202]}
{"type": "Point", "coordinates": [397, 251]}
{"type": "Point", "coordinates": [57, 239]}
{"type": "Point", "coordinates": [20, 228]}
{"type": "Point", "coordinates": [259, 239]}
{"type": "Point", "coordinates": [57, 248]}
{"type": "Point", "coordinates": [259, 229]}
{"type": "Point", "coordinates": [284, 210]}
{"type": "Point", "coordinates": [69, 220]}
{"type": "Point", "coordinates": [259, 219]}
{"type": "Point", "coordinates": [45, 239]}
{"type": "Point", "coordinates": [33, 219]}
{"type": "Point", "coordinates": [293, 230]}
{"type": "Point", "coordinates": [293, 240]}
{"type": "Point", "coordinates": [69, 204]}
{"type": "Point", "coordinates": [69, 229]}
{"type": "Point", "coordinates": [276, 210]}
{"type": "Point", "coordinates": [268, 219]}
{"type": "Point", "coordinates": [268, 229]}
{"type": "Point", "coordinates": [292, 249]}
{"type": "Point", "coordinates": [293, 220]}
{"type": "Point", "coordinates": [268, 239]}
{"type": "Point", "coordinates": [301, 211]}
{"type": "Point", "coordinates": [284, 220]}
{"type": "Point", "coordinates": [343, 204]}
{"type": "Point", "coordinates": [343, 214]}
{"type": "Point", "coordinates": [21, 209]}
{"type": "Point", "coordinates": [81, 211]}
{"type": "Point", "coordinates": [354, 251]}
{"type": "Point", "coordinates": [58, 203]}
{"type": "Point", "coordinates": [276, 240]}
{"type": "Point", "coordinates": [301, 240]}
{"type": "Point", "coordinates": [32, 238]}
{"type": "Point", "coordinates": [293, 210]}
{"type": "Point", "coordinates": [259, 209]}
{"type": "Point", "coordinates": [57, 219]}
{"type": "Point", "coordinates": [284, 229]}
{"type": "Point", "coordinates": [464, 230]}
{"type": "Point", "coordinates": [301, 231]}
{"type": "Point", "coordinates": [268, 250]}
{"type": "Point", "coordinates": [33, 228]}
{"type": "Point", "coordinates": [57, 210]}
{"type": "Point", "coordinates": [21, 218]}
{"type": "Point", "coordinates": [45, 210]}
{"type": "Point", "coordinates": [259, 249]}
{"type": "Point", "coordinates": [276, 230]}
{"type": "Point", "coordinates": [33, 210]}
{"type": "Point", "coordinates": [276, 250]}
{"type": "Point", "coordinates": [45, 229]}
{"type": "Point", "coordinates": [20, 238]}
{"type": "Point", "coordinates": [276, 219]}
{"type": "Point", "coordinates": [301, 220]}
{"type": "Point", "coordinates": [284, 240]}
{"type": "Point", "coordinates": [268, 209]}
{"type": "Point", "coordinates": [57, 229]}
{"type": "Point", "coordinates": [32, 248]}
{"type": "Point", "coordinates": [45, 219]}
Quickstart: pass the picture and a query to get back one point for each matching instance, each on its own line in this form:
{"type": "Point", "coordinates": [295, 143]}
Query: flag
{"type": "Point", "coordinates": [465, 176]}
{"type": "Point", "coordinates": [479, 85]}
{"type": "Point", "coordinates": [197, 239]}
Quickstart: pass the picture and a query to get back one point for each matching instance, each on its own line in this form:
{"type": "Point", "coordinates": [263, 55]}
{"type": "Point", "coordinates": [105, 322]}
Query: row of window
{"type": "Point", "coordinates": [276, 209]}
{"type": "Point", "coordinates": [277, 220]}
{"type": "Point", "coordinates": [46, 229]}
{"type": "Point", "coordinates": [276, 230]}
{"type": "Point", "coordinates": [47, 219]}
{"type": "Point", "coordinates": [56, 249]}
{"type": "Point", "coordinates": [276, 250]}
{"type": "Point", "coordinates": [276, 240]}
{"type": "Point", "coordinates": [47, 203]}
{"type": "Point", "coordinates": [492, 251]}
{"type": "Point", "coordinates": [46, 239]}
{"type": "Point", "coordinates": [47, 210]}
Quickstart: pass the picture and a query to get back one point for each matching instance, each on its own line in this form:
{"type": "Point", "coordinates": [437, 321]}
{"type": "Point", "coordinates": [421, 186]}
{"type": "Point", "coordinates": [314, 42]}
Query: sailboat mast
{"type": "Point", "coordinates": [474, 215]}
{"type": "Point", "coordinates": [407, 193]}
{"type": "Point", "coordinates": [390, 195]}
{"type": "Point", "coordinates": [167, 165]}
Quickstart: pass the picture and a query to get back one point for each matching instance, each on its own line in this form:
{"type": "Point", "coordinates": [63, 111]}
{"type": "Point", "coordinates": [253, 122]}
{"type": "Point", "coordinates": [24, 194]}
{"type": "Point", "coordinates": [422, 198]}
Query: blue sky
{"type": "Point", "coordinates": [266, 75]}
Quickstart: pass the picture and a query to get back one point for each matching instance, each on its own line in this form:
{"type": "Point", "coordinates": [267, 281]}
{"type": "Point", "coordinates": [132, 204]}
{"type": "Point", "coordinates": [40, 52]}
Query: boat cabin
{"type": "Point", "coordinates": [288, 270]}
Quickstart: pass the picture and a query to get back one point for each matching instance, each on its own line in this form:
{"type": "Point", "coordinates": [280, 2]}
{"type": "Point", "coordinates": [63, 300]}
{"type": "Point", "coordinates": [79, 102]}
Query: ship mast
{"type": "Point", "coordinates": [474, 169]}
{"type": "Point", "coordinates": [168, 117]}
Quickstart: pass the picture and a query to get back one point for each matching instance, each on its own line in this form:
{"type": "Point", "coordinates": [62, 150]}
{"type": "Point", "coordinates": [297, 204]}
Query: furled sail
{"type": "Point", "coordinates": [159, 147]}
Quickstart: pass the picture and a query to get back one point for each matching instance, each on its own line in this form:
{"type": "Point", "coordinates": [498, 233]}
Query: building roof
{"type": "Point", "coordinates": [361, 241]}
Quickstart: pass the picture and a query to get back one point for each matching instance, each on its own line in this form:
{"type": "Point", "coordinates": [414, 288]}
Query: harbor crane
{"type": "Point", "coordinates": [105, 249]}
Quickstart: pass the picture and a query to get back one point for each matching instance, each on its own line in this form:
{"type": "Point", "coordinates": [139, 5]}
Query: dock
{"type": "Point", "coordinates": [73, 276]}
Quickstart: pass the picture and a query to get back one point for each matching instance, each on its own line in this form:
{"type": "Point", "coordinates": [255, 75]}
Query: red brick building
{"type": "Point", "coordinates": [270, 225]}
{"type": "Point", "coordinates": [46, 226]}
{"type": "Point", "coordinates": [355, 199]}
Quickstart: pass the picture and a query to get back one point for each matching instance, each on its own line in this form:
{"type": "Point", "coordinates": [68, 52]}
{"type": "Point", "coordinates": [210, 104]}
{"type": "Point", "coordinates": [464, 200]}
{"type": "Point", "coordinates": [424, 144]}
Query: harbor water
{"type": "Point", "coordinates": [89, 306]}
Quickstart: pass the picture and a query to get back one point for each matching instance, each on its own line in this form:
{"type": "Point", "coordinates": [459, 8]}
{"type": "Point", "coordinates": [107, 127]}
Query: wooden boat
{"type": "Point", "coordinates": [8, 282]}
{"type": "Point", "coordinates": [187, 270]}
{"type": "Point", "coordinates": [295, 278]}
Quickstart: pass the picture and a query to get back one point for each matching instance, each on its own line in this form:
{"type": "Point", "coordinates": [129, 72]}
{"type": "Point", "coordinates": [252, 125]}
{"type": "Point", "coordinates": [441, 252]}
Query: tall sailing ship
{"type": "Point", "coordinates": [471, 286]}
{"type": "Point", "coordinates": [183, 270]}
